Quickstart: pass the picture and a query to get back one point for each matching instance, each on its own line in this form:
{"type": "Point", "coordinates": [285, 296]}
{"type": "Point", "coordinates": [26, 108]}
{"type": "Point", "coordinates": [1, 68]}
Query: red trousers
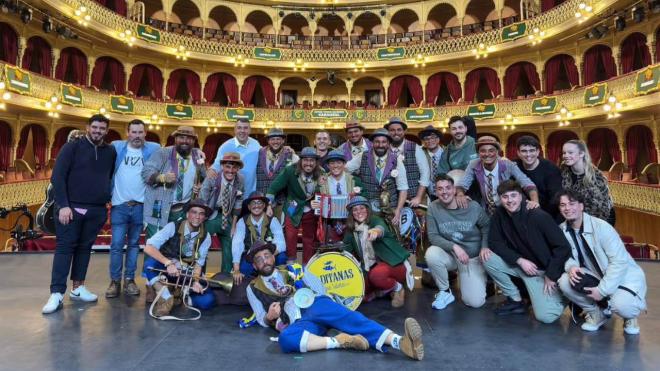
{"type": "Point", "coordinates": [308, 224]}
{"type": "Point", "coordinates": [384, 277]}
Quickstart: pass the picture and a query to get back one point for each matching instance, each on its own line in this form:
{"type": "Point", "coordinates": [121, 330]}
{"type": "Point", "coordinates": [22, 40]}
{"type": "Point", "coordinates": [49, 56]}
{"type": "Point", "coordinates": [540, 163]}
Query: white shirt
{"type": "Point", "coordinates": [401, 179]}
{"type": "Point", "coordinates": [158, 239]}
{"type": "Point", "coordinates": [332, 185]}
{"type": "Point", "coordinates": [238, 240]}
{"type": "Point", "coordinates": [359, 149]}
{"type": "Point", "coordinates": [128, 183]}
{"type": "Point", "coordinates": [496, 182]}
{"type": "Point", "coordinates": [188, 179]}
{"type": "Point", "coordinates": [422, 164]}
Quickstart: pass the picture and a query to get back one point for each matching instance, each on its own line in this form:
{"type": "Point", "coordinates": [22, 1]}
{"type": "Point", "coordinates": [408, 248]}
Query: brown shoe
{"type": "Point", "coordinates": [398, 298]}
{"type": "Point", "coordinates": [178, 296]}
{"type": "Point", "coordinates": [130, 288]}
{"type": "Point", "coordinates": [163, 307]}
{"type": "Point", "coordinates": [411, 343]}
{"type": "Point", "coordinates": [150, 295]}
{"type": "Point", "coordinates": [113, 290]}
{"type": "Point", "coordinates": [356, 342]}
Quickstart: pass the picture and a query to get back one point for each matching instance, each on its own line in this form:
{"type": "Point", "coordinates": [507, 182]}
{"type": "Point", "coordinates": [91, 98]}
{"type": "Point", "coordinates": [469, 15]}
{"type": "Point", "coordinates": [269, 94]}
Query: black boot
{"type": "Point", "coordinates": [511, 307]}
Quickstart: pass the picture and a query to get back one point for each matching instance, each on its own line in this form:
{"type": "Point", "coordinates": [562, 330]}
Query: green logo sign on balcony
{"type": "Point", "coordinates": [329, 114]}
{"type": "Point", "coordinates": [390, 54]}
{"type": "Point", "coordinates": [179, 111]}
{"type": "Point", "coordinates": [148, 33]}
{"type": "Point", "coordinates": [420, 114]}
{"type": "Point", "coordinates": [595, 94]}
{"type": "Point", "coordinates": [298, 114]}
{"type": "Point", "coordinates": [648, 80]}
{"type": "Point", "coordinates": [17, 80]}
{"type": "Point", "coordinates": [482, 111]}
{"type": "Point", "coordinates": [514, 31]}
{"type": "Point", "coordinates": [267, 54]}
{"type": "Point", "coordinates": [545, 105]}
{"type": "Point", "coordinates": [235, 114]}
{"type": "Point", "coordinates": [360, 115]}
{"type": "Point", "coordinates": [121, 104]}
{"type": "Point", "coordinates": [71, 95]}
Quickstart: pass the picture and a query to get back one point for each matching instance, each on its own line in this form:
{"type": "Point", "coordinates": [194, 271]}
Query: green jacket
{"type": "Point", "coordinates": [287, 181]}
{"type": "Point", "coordinates": [387, 247]}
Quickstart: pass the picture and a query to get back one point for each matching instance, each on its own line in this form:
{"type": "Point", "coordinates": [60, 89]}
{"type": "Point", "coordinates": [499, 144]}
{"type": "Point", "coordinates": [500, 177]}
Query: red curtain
{"type": "Point", "coordinates": [8, 43]}
{"type": "Point", "coordinates": [433, 86]}
{"type": "Point", "coordinates": [595, 56]}
{"type": "Point", "coordinates": [228, 82]}
{"type": "Point", "coordinates": [395, 89]}
{"type": "Point", "coordinates": [512, 149]}
{"type": "Point", "coordinates": [639, 138]}
{"type": "Point", "coordinates": [154, 78]}
{"type": "Point", "coordinates": [555, 142]}
{"type": "Point", "coordinates": [634, 46]}
{"type": "Point", "coordinates": [603, 140]}
{"type": "Point", "coordinates": [37, 45]}
{"type": "Point", "coordinates": [75, 60]}
{"type": "Point", "coordinates": [61, 136]}
{"type": "Point", "coordinates": [152, 137]}
{"type": "Point", "coordinates": [39, 142]}
{"type": "Point", "coordinates": [512, 77]}
{"type": "Point", "coordinates": [116, 70]}
{"type": "Point", "coordinates": [250, 85]}
{"type": "Point", "coordinates": [5, 145]}
{"type": "Point", "coordinates": [552, 68]}
{"type": "Point", "coordinates": [211, 145]}
{"type": "Point", "coordinates": [268, 90]}
{"type": "Point", "coordinates": [657, 46]}
{"type": "Point", "coordinates": [453, 86]}
{"type": "Point", "coordinates": [191, 80]}
{"type": "Point", "coordinates": [474, 77]}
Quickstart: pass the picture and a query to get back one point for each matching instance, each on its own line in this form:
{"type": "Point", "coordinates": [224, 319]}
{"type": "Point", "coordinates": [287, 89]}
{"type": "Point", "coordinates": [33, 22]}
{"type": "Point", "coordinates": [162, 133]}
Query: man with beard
{"type": "Point", "coordinates": [247, 147]}
{"type": "Point", "coordinates": [303, 323]}
{"type": "Point", "coordinates": [224, 195]}
{"type": "Point", "coordinates": [355, 144]}
{"type": "Point", "coordinates": [383, 176]}
{"type": "Point", "coordinates": [489, 170]}
{"type": "Point", "coordinates": [272, 160]}
{"type": "Point", "coordinates": [430, 137]}
{"type": "Point", "coordinates": [127, 202]}
{"type": "Point", "coordinates": [322, 144]}
{"type": "Point", "coordinates": [460, 150]}
{"type": "Point", "coordinates": [414, 160]}
{"type": "Point", "coordinates": [300, 183]}
{"type": "Point", "coordinates": [82, 183]}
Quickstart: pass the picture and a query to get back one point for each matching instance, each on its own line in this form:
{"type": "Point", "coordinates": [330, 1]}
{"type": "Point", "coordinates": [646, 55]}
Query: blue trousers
{"type": "Point", "coordinates": [200, 301]}
{"type": "Point", "coordinates": [325, 314]}
{"type": "Point", "coordinates": [126, 227]}
{"type": "Point", "coordinates": [248, 270]}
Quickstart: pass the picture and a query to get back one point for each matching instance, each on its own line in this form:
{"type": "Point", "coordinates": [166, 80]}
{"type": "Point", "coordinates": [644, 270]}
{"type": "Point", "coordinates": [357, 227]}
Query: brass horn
{"type": "Point", "coordinates": [186, 280]}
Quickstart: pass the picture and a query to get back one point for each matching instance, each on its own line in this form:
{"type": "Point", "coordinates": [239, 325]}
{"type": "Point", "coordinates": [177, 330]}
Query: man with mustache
{"type": "Point", "coordinates": [303, 326]}
{"type": "Point", "coordinates": [460, 150]}
{"type": "Point", "coordinates": [82, 183]}
{"type": "Point", "coordinates": [273, 158]}
{"type": "Point", "coordinates": [356, 144]}
{"type": "Point", "coordinates": [247, 147]}
{"type": "Point", "coordinates": [127, 207]}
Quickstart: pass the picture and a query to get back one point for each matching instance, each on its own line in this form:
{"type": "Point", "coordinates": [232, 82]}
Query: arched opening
{"type": "Point", "coordinates": [561, 73]}
{"type": "Point", "coordinates": [152, 137]}
{"type": "Point", "coordinates": [294, 30]}
{"type": "Point", "coordinates": [603, 148]}
{"type": "Point", "coordinates": [61, 135]}
{"type": "Point", "coordinates": [598, 64]}
{"type": "Point", "coordinates": [520, 80]}
{"type": "Point", "coordinates": [153, 10]}
{"type": "Point", "coordinates": [404, 91]}
{"type": "Point", "coordinates": [438, 20]}
{"type": "Point", "coordinates": [367, 28]}
{"type": "Point", "coordinates": [331, 96]}
{"type": "Point", "coordinates": [5, 145]}
{"type": "Point", "coordinates": [549, 4]}
{"type": "Point", "coordinates": [108, 74]}
{"type": "Point", "coordinates": [475, 14]}
{"type": "Point", "coordinates": [443, 88]}
{"type": "Point", "coordinates": [367, 92]}
{"type": "Point", "coordinates": [481, 85]}
{"type": "Point", "coordinates": [403, 24]}
{"type": "Point", "coordinates": [294, 92]}
{"type": "Point", "coordinates": [72, 66]}
{"type": "Point", "coordinates": [512, 148]}
{"type": "Point", "coordinates": [330, 32]}
{"type": "Point", "coordinates": [640, 148]}
{"type": "Point", "coordinates": [634, 53]}
{"type": "Point", "coordinates": [8, 43]}
{"type": "Point", "coordinates": [184, 11]}
{"type": "Point", "coordinates": [146, 81]}
{"type": "Point", "coordinates": [258, 91]}
{"type": "Point", "coordinates": [38, 56]}
{"type": "Point", "coordinates": [261, 22]}
{"type": "Point", "coordinates": [556, 141]}
{"type": "Point", "coordinates": [220, 18]}
{"type": "Point", "coordinates": [39, 142]}
{"type": "Point", "coordinates": [211, 145]}
{"type": "Point", "coordinates": [184, 86]}
{"type": "Point", "coordinates": [221, 88]}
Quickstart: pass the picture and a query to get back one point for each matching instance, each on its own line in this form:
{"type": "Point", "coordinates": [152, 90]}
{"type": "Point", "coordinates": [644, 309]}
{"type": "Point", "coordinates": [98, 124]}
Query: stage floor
{"type": "Point", "coordinates": [118, 334]}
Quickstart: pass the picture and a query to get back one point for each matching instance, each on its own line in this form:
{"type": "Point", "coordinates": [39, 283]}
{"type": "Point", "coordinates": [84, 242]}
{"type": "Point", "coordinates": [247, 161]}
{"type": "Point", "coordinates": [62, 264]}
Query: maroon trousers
{"type": "Point", "coordinates": [308, 224]}
{"type": "Point", "coordinates": [383, 277]}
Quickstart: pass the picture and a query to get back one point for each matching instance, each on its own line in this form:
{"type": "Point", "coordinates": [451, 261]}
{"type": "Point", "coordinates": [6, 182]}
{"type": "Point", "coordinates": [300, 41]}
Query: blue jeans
{"type": "Point", "coordinates": [205, 300]}
{"type": "Point", "coordinates": [126, 228]}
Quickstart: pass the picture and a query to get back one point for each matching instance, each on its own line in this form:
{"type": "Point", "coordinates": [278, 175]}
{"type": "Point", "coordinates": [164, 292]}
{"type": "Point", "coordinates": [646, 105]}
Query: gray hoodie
{"type": "Point", "coordinates": [467, 227]}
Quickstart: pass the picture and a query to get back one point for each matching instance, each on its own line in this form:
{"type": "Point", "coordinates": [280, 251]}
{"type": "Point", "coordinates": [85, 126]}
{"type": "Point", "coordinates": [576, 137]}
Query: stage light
{"type": "Point", "coordinates": [359, 66]}
{"type": "Point", "coordinates": [597, 32]}
{"type": "Point", "coordinates": [299, 65]}
{"type": "Point", "coordinates": [654, 6]}
{"type": "Point", "coordinates": [583, 12]}
{"type": "Point", "coordinates": [239, 60]}
{"type": "Point", "coordinates": [182, 53]}
{"type": "Point", "coordinates": [536, 36]}
{"type": "Point", "coordinates": [47, 24]}
{"type": "Point", "coordinates": [82, 15]}
{"type": "Point", "coordinates": [620, 23]}
{"type": "Point", "coordinates": [638, 13]}
{"type": "Point", "coordinates": [419, 60]}
{"type": "Point", "coordinates": [26, 15]}
{"type": "Point", "coordinates": [482, 50]}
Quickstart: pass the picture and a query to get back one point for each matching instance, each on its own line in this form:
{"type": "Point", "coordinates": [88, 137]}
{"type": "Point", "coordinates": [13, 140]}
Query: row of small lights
{"type": "Point", "coordinates": [4, 96]}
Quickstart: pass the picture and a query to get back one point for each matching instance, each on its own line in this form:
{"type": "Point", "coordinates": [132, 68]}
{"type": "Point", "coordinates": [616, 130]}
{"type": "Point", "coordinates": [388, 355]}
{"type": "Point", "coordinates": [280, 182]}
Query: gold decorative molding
{"type": "Point", "coordinates": [637, 197]}
{"type": "Point", "coordinates": [28, 192]}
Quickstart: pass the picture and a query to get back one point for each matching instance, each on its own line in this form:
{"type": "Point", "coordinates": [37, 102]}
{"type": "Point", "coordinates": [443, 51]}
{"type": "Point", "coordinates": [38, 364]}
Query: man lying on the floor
{"type": "Point", "coordinates": [303, 328]}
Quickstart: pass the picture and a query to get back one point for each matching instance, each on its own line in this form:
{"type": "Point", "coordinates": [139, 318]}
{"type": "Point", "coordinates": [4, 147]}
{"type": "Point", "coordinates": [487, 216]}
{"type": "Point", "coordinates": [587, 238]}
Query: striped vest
{"type": "Point", "coordinates": [371, 188]}
{"type": "Point", "coordinates": [263, 178]}
{"type": "Point", "coordinates": [412, 170]}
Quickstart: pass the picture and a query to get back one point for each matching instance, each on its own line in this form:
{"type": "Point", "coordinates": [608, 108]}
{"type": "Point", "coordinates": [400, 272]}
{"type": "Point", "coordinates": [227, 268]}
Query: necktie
{"type": "Point", "coordinates": [225, 205]}
{"type": "Point", "coordinates": [577, 247]}
{"type": "Point", "coordinates": [271, 168]}
{"type": "Point", "coordinates": [338, 188]}
{"type": "Point", "coordinates": [379, 168]}
{"type": "Point", "coordinates": [277, 287]}
{"type": "Point", "coordinates": [489, 194]}
{"type": "Point", "coordinates": [179, 179]}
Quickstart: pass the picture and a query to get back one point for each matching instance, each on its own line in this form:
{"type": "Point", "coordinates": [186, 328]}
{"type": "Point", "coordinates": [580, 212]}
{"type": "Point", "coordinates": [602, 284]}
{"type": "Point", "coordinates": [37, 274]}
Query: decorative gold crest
{"type": "Point", "coordinates": [122, 100]}
{"type": "Point", "coordinates": [481, 108]}
{"type": "Point", "coordinates": [544, 101]}
{"type": "Point", "coordinates": [594, 90]}
{"type": "Point", "coordinates": [419, 111]}
{"type": "Point", "coordinates": [179, 107]}
{"type": "Point", "coordinates": [148, 29]}
{"type": "Point", "coordinates": [18, 74]}
{"type": "Point", "coordinates": [267, 50]}
{"type": "Point", "coordinates": [240, 111]}
{"type": "Point", "coordinates": [514, 27]}
{"type": "Point", "coordinates": [648, 74]}
{"type": "Point", "coordinates": [298, 114]}
{"type": "Point", "coordinates": [390, 50]}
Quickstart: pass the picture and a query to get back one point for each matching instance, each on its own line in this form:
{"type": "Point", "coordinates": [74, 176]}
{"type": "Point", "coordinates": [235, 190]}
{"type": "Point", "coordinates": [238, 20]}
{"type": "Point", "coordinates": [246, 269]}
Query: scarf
{"type": "Point", "coordinates": [361, 235]}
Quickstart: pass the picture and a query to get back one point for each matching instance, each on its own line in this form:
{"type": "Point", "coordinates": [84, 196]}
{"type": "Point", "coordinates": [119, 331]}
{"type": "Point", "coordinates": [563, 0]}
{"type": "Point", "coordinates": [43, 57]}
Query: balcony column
{"type": "Point", "coordinates": [276, 85]}
{"type": "Point", "coordinates": [386, 86]}
{"type": "Point", "coordinates": [312, 88]}
{"type": "Point", "coordinates": [128, 69]}
{"type": "Point", "coordinates": [423, 79]}
{"type": "Point", "coordinates": [616, 53]}
{"type": "Point", "coordinates": [312, 28]}
{"type": "Point", "coordinates": [578, 65]}
{"type": "Point", "coordinates": [239, 82]}
{"type": "Point", "coordinates": [91, 61]}
{"type": "Point", "coordinates": [55, 53]}
{"type": "Point", "coordinates": [22, 45]}
{"type": "Point", "coordinates": [166, 76]}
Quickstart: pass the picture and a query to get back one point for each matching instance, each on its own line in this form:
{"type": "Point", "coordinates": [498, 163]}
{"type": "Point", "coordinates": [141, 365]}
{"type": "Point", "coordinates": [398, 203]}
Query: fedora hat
{"type": "Point", "coordinates": [183, 130]}
{"type": "Point", "coordinates": [233, 158]}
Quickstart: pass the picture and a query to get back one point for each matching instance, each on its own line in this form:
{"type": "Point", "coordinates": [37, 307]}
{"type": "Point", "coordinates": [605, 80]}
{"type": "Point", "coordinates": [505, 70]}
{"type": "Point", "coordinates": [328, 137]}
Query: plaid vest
{"type": "Point", "coordinates": [263, 178]}
{"type": "Point", "coordinates": [251, 235]}
{"type": "Point", "coordinates": [371, 188]}
{"type": "Point", "coordinates": [412, 170]}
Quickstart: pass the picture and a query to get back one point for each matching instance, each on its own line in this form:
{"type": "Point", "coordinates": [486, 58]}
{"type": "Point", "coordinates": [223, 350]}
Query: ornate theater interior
{"type": "Point", "coordinates": [554, 70]}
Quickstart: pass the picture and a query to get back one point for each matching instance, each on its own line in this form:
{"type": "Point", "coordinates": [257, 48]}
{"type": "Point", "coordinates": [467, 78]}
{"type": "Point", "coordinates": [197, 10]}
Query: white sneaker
{"type": "Point", "coordinates": [594, 320]}
{"type": "Point", "coordinates": [631, 327]}
{"type": "Point", "coordinates": [82, 294]}
{"type": "Point", "coordinates": [442, 299]}
{"type": "Point", "coordinates": [54, 303]}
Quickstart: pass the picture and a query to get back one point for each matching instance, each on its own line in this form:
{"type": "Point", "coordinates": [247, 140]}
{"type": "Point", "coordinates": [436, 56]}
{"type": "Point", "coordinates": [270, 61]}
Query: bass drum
{"type": "Point", "coordinates": [45, 215]}
{"type": "Point", "coordinates": [341, 275]}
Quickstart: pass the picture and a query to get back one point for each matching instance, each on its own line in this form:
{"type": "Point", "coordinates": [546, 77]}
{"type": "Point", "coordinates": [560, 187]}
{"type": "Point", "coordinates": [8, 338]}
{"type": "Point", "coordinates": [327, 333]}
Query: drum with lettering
{"type": "Point", "coordinates": [410, 231]}
{"type": "Point", "coordinates": [341, 275]}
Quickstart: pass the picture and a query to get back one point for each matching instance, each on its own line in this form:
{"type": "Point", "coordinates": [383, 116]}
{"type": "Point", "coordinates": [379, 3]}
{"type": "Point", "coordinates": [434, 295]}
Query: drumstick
{"type": "Point", "coordinates": [420, 206]}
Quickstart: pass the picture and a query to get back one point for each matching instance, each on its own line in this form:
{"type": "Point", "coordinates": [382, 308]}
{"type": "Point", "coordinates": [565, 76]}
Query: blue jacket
{"type": "Point", "coordinates": [120, 146]}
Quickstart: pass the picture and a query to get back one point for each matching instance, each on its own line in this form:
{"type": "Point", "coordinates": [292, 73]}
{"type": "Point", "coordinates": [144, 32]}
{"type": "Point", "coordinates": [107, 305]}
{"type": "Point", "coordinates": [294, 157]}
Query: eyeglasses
{"type": "Point", "coordinates": [262, 259]}
{"type": "Point", "coordinates": [257, 203]}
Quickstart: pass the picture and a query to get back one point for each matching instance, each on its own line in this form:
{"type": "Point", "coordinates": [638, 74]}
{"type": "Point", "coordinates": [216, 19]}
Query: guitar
{"type": "Point", "coordinates": [45, 215]}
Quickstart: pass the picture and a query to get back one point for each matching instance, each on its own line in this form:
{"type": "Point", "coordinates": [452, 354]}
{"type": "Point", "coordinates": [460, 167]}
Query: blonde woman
{"type": "Point", "coordinates": [581, 176]}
